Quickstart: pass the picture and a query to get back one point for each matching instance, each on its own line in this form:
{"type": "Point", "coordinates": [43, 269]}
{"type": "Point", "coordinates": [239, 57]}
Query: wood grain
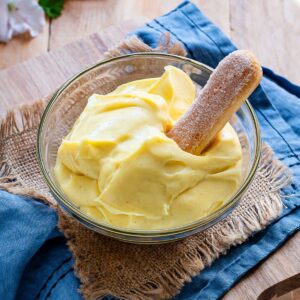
{"type": "Point", "coordinates": [271, 29]}
{"type": "Point", "coordinates": [86, 17]}
{"type": "Point", "coordinates": [82, 18]}
{"type": "Point", "coordinates": [282, 264]}
{"type": "Point", "coordinates": [23, 47]}
{"type": "Point", "coordinates": [283, 290]}
{"type": "Point", "coordinates": [42, 75]}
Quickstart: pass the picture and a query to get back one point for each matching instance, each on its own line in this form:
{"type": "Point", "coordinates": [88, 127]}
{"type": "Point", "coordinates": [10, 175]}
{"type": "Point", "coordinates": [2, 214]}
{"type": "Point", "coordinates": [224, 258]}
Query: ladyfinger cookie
{"type": "Point", "coordinates": [230, 84]}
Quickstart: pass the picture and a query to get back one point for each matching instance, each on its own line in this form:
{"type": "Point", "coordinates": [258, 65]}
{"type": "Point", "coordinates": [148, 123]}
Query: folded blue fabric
{"type": "Point", "coordinates": [34, 260]}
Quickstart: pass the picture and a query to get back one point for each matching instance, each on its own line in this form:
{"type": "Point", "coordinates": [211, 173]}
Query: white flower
{"type": "Point", "coordinates": [19, 16]}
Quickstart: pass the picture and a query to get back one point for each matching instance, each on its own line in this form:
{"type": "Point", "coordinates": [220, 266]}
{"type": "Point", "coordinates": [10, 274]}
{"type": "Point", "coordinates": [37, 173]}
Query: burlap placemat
{"type": "Point", "coordinates": [106, 266]}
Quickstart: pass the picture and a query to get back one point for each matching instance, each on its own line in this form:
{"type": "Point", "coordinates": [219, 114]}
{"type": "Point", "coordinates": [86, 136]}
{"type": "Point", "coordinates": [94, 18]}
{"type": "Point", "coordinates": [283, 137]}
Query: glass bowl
{"type": "Point", "coordinates": [69, 101]}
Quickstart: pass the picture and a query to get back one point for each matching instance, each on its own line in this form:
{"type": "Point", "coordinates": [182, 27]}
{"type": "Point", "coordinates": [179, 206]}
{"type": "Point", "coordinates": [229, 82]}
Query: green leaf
{"type": "Point", "coordinates": [10, 6]}
{"type": "Point", "coordinates": [52, 8]}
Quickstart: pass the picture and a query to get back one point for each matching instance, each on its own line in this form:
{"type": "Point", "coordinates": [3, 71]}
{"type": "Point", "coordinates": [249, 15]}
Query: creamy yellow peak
{"type": "Point", "coordinates": [119, 167]}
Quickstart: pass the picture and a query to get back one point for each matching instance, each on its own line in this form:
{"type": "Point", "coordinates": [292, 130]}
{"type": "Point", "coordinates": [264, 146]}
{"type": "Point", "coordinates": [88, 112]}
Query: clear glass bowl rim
{"type": "Point", "coordinates": [104, 227]}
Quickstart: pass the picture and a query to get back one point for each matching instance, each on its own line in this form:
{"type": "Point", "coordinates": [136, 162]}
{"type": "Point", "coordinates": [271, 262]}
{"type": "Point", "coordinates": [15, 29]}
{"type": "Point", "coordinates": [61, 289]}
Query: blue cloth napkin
{"type": "Point", "coordinates": [34, 260]}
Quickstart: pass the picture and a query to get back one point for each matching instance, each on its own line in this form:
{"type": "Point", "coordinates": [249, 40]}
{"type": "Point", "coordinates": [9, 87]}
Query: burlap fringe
{"type": "Point", "coordinates": [234, 232]}
{"type": "Point", "coordinates": [133, 45]}
{"type": "Point", "coordinates": [17, 121]}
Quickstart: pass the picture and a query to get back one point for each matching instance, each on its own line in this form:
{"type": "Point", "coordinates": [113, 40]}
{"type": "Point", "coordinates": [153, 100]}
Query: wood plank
{"type": "Point", "coordinates": [281, 265]}
{"type": "Point", "coordinates": [286, 289]}
{"type": "Point", "coordinates": [42, 75]}
{"type": "Point", "coordinates": [271, 29]}
{"type": "Point", "coordinates": [218, 12]}
{"type": "Point", "coordinates": [81, 18]}
{"type": "Point", "coordinates": [23, 47]}
{"type": "Point", "coordinates": [296, 294]}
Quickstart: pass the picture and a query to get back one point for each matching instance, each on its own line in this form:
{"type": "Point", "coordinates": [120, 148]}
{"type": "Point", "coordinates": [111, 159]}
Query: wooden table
{"type": "Point", "coordinates": [270, 28]}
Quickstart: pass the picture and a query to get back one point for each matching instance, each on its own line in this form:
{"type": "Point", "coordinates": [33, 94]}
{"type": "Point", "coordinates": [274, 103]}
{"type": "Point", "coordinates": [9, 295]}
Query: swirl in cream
{"type": "Point", "coordinates": [119, 167]}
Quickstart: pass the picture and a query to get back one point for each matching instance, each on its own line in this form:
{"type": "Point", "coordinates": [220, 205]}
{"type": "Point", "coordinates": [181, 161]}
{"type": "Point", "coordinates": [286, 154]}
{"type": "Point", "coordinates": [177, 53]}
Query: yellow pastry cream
{"type": "Point", "coordinates": [119, 167]}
